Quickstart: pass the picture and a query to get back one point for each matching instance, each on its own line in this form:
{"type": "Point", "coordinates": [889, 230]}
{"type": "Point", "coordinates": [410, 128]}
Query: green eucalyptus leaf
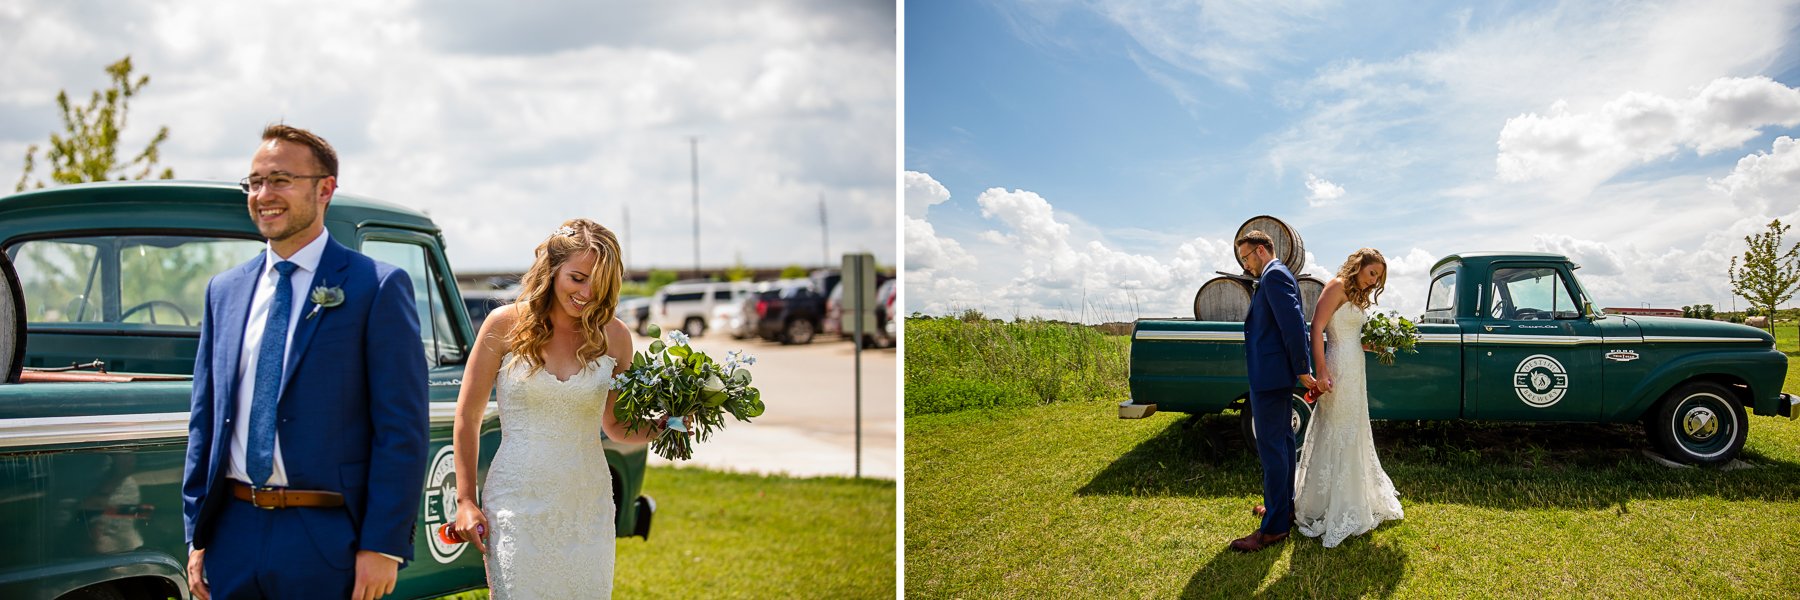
{"type": "Point", "coordinates": [654, 330]}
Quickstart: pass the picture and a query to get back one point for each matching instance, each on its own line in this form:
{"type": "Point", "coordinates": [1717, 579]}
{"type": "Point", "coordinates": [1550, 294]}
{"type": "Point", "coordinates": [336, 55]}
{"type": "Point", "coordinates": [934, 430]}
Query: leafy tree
{"type": "Point", "coordinates": [739, 272]}
{"type": "Point", "coordinates": [87, 150]}
{"type": "Point", "coordinates": [1752, 312]}
{"type": "Point", "coordinates": [659, 278]}
{"type": "Point", "coordinates": [1768, 275]}
{"type": "Point", "coordinates": [1706, 311]}
{"type": "Point", "coordinates": [793, 272]}
{"type": "Point", "coordinates": [1687, 312]}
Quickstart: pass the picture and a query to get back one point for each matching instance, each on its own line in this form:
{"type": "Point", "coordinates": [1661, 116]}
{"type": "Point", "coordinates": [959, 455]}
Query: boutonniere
{"type": "Point", "coordinates": [325, 297]}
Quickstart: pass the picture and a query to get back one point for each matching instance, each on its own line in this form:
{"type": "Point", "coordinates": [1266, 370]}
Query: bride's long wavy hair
{"type": "Point", "coordinates": [537, 292]}
{"type": "Point", "coordinates": [1359, 260]}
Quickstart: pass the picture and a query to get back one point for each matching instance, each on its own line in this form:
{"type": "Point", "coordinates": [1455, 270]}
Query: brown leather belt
{"type": "Point", "coordinates": [271, 498]}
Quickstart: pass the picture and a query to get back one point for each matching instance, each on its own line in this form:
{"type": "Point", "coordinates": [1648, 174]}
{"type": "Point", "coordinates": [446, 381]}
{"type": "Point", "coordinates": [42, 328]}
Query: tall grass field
{"type": "Point", "coordinates": [1058, 497]}
{"type": "Point", "coordinates": [969, 362]}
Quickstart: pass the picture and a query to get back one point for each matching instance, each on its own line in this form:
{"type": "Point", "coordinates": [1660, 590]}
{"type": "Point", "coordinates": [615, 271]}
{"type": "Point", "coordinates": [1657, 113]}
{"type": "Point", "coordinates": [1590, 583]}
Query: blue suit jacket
{"type": "Point", "coordinates": [1275, 336]}
{"type": "Point", "coordinates": [352, 416]}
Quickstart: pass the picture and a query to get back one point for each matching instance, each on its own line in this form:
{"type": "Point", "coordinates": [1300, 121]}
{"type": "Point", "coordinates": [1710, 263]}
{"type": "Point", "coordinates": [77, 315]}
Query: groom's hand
{"type": "Point", "coordinates": [1307, 380]}
{"type": "Point", "coordinates": [375, 575]}
{"type": "Point", "coordinates": [197, 575]}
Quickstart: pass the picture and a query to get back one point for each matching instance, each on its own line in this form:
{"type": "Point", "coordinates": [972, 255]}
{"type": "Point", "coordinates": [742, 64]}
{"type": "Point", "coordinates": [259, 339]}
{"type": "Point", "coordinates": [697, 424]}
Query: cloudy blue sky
{"type": "Point", "coordinates": [503, 119]}
{"type": "Point", "coordinates": [1057, 150]}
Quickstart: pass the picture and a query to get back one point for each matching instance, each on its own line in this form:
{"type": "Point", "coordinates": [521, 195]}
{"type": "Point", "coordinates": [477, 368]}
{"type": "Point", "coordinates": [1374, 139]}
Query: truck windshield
{"type": "Point", "coordinates": [137, 281]}
{"type": "Point", "coordinates": [1531, 293]}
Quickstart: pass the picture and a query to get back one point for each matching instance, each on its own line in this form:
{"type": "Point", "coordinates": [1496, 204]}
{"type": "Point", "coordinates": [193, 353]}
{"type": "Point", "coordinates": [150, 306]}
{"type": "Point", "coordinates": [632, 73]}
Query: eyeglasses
{"type": "Point", "coordinates": [277, 181]}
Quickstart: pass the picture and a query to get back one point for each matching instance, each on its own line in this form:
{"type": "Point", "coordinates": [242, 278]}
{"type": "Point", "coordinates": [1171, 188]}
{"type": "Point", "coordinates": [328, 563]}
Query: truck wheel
{"type": "Point", "coordinates": [12, 323]}
{"type": "Point", "coordinates": [694, 327]}
{"type": "Point", "coordinates": [1301, 417]}
{"type": "Point", "coordinates": [799, 331]}
{"type": "Point", "coordinates": [1699, 423]}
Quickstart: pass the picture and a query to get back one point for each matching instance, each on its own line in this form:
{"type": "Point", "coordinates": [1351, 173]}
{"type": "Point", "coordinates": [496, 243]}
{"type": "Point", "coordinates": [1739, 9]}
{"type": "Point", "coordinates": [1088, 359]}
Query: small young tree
{"type": "Point", "coordinates": [88, 148]}
{"type": "Point", "coordinates": [1769, 273]}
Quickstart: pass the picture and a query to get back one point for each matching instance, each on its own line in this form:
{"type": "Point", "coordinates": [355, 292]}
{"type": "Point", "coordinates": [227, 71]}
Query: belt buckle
{"type": "Point", "coordinates": [254, 502]}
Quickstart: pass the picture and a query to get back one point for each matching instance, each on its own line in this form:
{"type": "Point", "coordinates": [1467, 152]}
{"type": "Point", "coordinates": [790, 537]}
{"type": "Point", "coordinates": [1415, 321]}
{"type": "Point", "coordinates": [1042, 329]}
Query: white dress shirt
{"type": "Point", "coordinates": [307, 259]}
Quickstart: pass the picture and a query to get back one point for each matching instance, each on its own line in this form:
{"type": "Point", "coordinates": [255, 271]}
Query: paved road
{"type": "Point", "coordinates": [808, 428]}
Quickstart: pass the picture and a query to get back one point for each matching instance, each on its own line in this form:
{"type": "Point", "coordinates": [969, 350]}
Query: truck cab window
{"type": "Point", "coordinates": [150, 282]}
{"type": "Point", "coordinates": [438, 338]}
{"type": "Point", "coordinates": [1440, 304]}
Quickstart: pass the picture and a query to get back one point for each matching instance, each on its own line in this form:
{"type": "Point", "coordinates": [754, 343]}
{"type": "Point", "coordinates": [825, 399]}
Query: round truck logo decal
{"type": "Point", "coordinates": [440, 504]}
{"type": "Point", "coordinates": [1540, 381]}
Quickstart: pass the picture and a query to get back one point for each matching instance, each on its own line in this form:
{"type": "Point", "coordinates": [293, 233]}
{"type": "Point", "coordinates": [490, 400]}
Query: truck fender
{"type": "Point", "coordinates": [1727, 367]}
{"type": "Point", "coordinates": [53, 581]}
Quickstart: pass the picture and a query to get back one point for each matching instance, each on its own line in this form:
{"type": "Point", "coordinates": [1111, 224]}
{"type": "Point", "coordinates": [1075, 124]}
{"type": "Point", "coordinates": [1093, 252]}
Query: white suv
{"type": "Point", "coordinates": [688, 305]}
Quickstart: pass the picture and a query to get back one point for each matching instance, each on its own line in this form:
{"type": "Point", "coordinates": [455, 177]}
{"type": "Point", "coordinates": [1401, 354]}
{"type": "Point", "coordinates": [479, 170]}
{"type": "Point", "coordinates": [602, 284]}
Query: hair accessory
{"type": "Point", "coordinates": [566, 230]}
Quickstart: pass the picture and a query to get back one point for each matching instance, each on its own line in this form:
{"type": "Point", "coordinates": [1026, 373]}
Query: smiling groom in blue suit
{"type": "Point", "coordinates": [1277, 353]}
{"type": "Point", "coordinates": [307, 443]}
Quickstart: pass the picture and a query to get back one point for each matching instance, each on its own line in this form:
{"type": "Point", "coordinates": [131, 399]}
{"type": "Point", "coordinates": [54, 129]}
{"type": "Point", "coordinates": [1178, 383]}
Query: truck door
{"type": "Point", "coordinates": [1535, 357]}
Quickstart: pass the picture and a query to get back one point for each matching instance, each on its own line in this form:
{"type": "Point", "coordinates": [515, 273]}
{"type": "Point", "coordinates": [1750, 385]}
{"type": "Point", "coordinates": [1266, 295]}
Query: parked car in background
{"type": "Point", "coordinates": [688, 305]}
{"type": "Point", "coordinates": [834, 313]}
{"type": "Point", "coordinates": [879, 334]}
{"type": "Point", "coordinates": [790, 312]}
{"type": "Point", "coordinates": [743, 326]}
{"type": "Point", "coordinates": [481, 302]}
{"type": "Point", "coordinates": [728, 314]}
{"type": "Point", "coordinates": [884, 313]}
{"type": "Point", "coordinates": [635, 312]}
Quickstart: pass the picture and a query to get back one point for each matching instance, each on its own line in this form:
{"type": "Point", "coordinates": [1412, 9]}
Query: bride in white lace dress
{"type": "Point", "coordinates": [1341, 490]}
{"type": "Point", "coordinates": [545, 517]}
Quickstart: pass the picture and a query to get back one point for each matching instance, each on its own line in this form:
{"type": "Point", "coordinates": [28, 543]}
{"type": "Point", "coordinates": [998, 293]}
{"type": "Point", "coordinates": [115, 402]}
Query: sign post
{"type": "Point", "coordinates": [859, 294]}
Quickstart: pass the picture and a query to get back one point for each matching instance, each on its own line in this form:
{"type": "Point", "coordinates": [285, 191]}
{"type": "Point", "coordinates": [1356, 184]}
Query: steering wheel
{"type": "Point", "coordinates": [151, 304]}
{"type": "Point", "coordinates": [1527, 314]}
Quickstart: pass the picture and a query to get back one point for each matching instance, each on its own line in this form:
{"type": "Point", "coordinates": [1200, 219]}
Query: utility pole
{"type": "Point", "coordinates": [824, 259]}
{"type": "Point", "coordinates": [694, 146]}
{"type": "Point", "coordinates": [623, 263]}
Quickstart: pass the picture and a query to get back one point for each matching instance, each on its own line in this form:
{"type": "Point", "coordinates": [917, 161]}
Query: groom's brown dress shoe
{"type": "Point", "coordinates": [1257, 540]}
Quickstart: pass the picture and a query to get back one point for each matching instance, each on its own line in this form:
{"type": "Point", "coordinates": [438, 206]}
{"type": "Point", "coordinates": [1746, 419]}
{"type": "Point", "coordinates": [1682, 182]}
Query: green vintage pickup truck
{"type": "Point", "coordinates": [1509, 337]}
{"type": "Point", "coordinates": [111, 277]}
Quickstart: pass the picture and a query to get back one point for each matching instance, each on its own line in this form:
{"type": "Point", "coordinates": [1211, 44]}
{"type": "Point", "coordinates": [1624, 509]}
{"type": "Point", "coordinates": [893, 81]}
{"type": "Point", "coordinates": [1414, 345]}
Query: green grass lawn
{"type": "Point", "coordinates": [726, 535]}
{"type": "Point", "coordinates": [1067, 500]}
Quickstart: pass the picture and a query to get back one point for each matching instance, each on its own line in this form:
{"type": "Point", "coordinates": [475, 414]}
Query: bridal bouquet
{"type": "Point", "coordinates": [696, 392]}
{"type": "Point", "coordinates": [1388, 334]}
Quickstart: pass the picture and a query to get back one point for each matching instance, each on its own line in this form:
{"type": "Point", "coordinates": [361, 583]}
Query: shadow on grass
{"type": "Point", "coordinates": [1355, 569]}
{"type": "Point", "coordinates": [1499, 465]}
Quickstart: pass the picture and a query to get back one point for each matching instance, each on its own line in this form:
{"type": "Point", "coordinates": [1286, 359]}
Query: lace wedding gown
{"type": "Point", "coordinates": [548, 497]}
{"type": "Point", "coordinates": [1341, 488]}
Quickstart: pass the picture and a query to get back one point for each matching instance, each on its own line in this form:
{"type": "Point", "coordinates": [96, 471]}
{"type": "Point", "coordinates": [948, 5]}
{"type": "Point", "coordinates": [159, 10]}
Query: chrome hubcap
{"type": "Point", "coordinates": [1700, 423]}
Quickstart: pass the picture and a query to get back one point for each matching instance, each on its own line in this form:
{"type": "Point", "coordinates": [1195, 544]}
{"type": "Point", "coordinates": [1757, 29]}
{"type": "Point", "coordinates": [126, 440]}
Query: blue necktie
{"type": "Point", "coordinates": [260, 451]}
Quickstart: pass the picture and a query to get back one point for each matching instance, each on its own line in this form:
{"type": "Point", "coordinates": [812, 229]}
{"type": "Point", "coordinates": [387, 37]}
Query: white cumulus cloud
{"type": "Point", "coordinates": [1639, 127]}
{"type": "Point", "coordinates": [1321, 192]}
{"type": "Point", "coordinates": [1766, 179]}
{"type": "Point", "coordinates": [923, 192]}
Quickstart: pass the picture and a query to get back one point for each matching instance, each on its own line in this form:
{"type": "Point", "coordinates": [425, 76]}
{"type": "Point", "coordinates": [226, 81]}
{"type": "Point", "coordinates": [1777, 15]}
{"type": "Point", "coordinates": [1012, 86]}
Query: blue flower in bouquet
{"type": "Point", "coordinates": [678, 337]}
